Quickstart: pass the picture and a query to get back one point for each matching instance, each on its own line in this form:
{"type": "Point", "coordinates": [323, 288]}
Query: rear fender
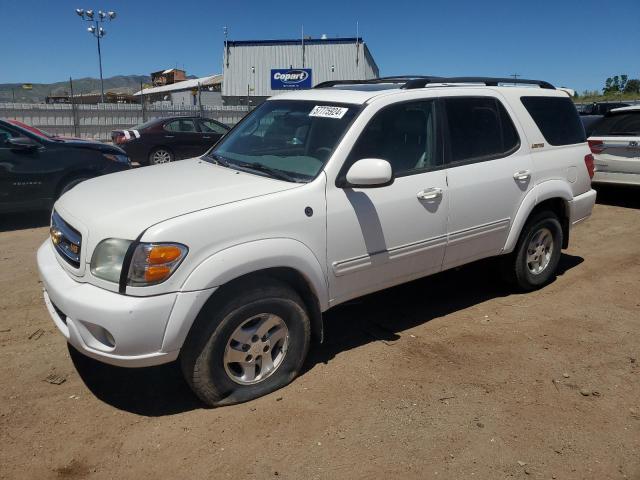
{"type": "Point", "coordinates": [538, 194]}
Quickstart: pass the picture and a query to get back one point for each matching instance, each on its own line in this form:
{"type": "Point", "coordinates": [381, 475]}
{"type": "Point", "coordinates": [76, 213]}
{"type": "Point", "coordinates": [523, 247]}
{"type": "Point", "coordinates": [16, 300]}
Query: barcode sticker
{"type": "Point", "coordinates": [326, 111]}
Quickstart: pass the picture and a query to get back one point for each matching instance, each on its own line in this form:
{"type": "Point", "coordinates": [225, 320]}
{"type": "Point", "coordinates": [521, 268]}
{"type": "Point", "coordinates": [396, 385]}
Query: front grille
{"type": "Point", "coordinates": [66, 240]}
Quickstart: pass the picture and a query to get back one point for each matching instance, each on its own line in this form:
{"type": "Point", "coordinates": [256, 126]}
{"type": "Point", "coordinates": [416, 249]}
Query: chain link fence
{"type": "Point", "coordinates": [95, 122]}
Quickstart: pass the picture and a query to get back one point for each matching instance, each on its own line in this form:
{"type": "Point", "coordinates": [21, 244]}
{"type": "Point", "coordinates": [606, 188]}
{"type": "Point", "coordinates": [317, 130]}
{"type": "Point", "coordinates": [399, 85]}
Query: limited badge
{"type": "Point", "coordinates": [326, 111]}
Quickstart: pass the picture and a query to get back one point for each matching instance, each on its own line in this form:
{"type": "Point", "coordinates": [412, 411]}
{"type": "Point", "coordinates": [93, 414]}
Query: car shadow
{"type": "Point", "coordinates": [626, 196]}
{"type": "Point", "coordinates": [382, 316]}
{"type": "Point", "coordinates": [22, 221]}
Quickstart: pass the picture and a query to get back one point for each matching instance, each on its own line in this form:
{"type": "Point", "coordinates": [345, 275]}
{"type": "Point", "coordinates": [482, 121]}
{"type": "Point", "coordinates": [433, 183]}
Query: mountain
{"type": "Point", "coordinates": [119, 84]}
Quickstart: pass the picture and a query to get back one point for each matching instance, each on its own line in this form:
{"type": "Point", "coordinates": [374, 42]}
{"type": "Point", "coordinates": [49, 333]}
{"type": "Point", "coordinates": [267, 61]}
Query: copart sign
{"type": "Point", "coordinates": [290, 79]}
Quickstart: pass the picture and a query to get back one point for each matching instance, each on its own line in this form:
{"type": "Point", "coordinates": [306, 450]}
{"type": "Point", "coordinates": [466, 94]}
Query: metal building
{"type": "Point", "coordinates": [256, 69]}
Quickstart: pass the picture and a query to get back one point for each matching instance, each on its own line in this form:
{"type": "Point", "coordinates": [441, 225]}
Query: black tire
{"type": "Point", "coordinates": [69, 184]}
{"type": "Point", "coordinates": [515, 267]}
{"type": "Point", "coordinates": [165, 153]}
{"type": "Point", "coordinates": [203, 352]}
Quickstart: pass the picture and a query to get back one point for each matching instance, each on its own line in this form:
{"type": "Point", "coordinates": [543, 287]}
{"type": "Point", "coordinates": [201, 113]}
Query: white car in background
{"type": "Point", "coordinates": [615, 144]}
{"type": "Point", "coordinates": [226, 262]}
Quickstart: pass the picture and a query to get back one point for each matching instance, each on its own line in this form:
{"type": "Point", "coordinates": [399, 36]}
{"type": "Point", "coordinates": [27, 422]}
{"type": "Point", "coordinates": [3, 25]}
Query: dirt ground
{"type": "Point", "coordinates": [450, 377]}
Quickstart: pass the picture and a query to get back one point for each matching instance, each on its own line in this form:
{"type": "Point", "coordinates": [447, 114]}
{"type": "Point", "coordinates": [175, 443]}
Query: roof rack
{"type": "Point", "coordinates": [402, 79]}
{"type": "Point", "coordinates": [410, 82]}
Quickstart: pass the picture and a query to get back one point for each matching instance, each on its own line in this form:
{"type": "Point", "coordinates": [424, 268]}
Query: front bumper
{"type": "Point", "coordinates": [581, 206]}
{"type": "Point", "coordinates": [116, 329]}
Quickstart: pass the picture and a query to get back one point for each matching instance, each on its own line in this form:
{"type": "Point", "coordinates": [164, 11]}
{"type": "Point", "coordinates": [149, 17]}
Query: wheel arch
{"type": "Point", "coordinates": [286, 260]}
{"type": "Point", "coordinates": [553, 195]}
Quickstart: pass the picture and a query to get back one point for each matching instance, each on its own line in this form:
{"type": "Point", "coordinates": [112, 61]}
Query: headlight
{"type": "Point", "coordinates": [153, 263]}
{"type": "Point", "coordinates": [116, 157]}
{"type": "Point", "coordinates": [108, 257]}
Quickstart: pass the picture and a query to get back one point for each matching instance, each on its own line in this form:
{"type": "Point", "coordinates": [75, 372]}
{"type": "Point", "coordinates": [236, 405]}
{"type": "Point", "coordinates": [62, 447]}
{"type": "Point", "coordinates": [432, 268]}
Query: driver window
{"type": "Point", "coordinates": [404, 135]}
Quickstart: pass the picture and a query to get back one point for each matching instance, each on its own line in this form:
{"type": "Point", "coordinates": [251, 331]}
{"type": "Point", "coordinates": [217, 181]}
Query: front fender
{"type": "Point", "coordinates": [539, 193]}
{"type": "Point", "coordinates": [239, 260]}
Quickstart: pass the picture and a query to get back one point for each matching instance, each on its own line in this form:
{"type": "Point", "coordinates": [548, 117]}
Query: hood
{"type": "Point", "coordinates": [124, 204]}
{"type": "Point", "coordinates": [88, 144]}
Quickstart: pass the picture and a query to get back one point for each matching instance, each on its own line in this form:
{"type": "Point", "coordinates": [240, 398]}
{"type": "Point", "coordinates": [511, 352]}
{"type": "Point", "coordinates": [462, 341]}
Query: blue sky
{"type": "Point", "coordinates": [574, 43]}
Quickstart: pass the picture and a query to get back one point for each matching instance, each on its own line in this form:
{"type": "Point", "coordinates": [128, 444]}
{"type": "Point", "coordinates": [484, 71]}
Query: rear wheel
{"type": "Point", "coordinates": [245, 345]}
{"type": "Point", "coordinates": [535, 260]}
{"type": "Point", "coordinates": [160, 155]}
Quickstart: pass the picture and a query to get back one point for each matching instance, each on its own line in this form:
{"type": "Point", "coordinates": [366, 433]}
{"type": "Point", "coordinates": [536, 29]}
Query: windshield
{"type": "Point", "coordinates": [290, 139]}
{"type": "Point", "coordinates": [619, 124]}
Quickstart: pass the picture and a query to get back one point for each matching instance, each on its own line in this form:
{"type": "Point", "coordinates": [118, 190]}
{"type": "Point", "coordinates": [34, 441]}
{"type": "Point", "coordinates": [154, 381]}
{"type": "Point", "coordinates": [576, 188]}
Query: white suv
{"type": "Point", "coordinates": [227, 262]}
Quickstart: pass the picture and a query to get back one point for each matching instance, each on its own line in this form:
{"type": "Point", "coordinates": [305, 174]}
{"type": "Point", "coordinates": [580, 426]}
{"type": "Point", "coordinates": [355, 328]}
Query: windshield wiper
{"type": "Point", "coordinates": [218, 160]}
{"type": "Point", "coordinates": [272, 172]}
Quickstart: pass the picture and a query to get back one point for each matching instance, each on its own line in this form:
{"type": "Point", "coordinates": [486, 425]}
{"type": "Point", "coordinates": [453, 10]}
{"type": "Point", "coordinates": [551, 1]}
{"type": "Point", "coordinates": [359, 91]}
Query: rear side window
{"type": "Point", "coordinates": [557, 119]}
{"type": "Point", "coordinates": [479, 129]}
{"type": "Point", "coordinates": [180, 126]}
{"type": "Point", "coordinates": [619, 124]}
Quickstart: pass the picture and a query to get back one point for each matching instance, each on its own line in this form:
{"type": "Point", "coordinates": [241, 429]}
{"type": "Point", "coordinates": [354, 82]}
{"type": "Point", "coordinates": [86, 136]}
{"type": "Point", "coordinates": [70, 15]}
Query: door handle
{"type": "Point", "coordinates": [522, 175]}
{"type": "Point", "coordinates": [169, 136]}
{"type": "Point", "coordinates": [207, 138]}
{"type": "Point", "coordinates": [430, 193]}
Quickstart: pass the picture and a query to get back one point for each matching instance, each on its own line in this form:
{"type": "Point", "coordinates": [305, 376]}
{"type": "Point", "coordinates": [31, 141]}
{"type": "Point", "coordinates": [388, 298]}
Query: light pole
{"type": "Point", "coordinates": [97, 31]}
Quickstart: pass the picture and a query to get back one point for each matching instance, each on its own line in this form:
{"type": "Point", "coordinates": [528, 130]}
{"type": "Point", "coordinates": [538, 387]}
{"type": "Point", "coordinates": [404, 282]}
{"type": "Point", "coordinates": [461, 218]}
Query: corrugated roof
{"type": "Point", "coordinates": [184, 85]}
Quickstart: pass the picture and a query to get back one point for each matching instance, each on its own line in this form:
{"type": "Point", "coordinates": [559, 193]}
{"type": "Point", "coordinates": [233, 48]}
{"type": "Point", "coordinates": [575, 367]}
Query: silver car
{"type": "Point", "coordinates": [615, 144]}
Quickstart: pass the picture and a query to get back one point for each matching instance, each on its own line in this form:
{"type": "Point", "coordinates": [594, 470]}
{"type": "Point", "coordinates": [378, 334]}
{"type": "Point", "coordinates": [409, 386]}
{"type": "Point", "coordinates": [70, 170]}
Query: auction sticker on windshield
{"type": "Point", "coordinates": [326, 111]}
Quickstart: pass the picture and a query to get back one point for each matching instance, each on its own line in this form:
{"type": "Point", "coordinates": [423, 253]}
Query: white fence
{"type": "Point", "coordinates": [97, 121]}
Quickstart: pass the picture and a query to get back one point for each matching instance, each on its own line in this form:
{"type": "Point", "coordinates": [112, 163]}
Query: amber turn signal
{"type": "Point", "coordinates": [159, 254]}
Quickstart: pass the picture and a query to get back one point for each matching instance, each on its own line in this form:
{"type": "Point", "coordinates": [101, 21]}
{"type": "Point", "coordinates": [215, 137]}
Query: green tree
{"type": "Point", "coordinates": [632, 86]}
{"type": "Point", "coordinates": [623, 82]}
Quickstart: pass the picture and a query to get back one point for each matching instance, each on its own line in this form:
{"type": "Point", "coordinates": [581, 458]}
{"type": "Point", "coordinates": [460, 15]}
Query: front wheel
{"type": "Point", "coordinates": [535, 260]}
{"type": "Point", "coordinates": [245, 345]}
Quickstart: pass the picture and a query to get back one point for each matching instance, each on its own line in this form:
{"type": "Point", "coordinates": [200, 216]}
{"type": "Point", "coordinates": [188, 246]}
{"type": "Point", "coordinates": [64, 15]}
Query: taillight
{"type": "Point", "coordinates": [119, 138]}
{"type": "Point", "coordinates": [596, 146]}
{"type": "Point", "coordinates": [588, 161]}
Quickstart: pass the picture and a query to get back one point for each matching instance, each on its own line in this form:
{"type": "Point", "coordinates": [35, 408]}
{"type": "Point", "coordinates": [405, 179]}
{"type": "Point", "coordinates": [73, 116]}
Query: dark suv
{"type": "Point", "coordinates": [35, 169]}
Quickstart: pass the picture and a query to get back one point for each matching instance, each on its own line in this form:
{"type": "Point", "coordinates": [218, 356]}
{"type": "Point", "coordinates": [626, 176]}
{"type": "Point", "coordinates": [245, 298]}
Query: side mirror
{"type": "Point", "coordinates": [370, 173]}
{"type": "Point", "coordinates": [22, 144]}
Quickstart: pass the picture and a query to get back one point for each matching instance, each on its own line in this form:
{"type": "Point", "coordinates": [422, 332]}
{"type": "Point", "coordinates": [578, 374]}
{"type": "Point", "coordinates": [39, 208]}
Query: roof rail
{"type": "Point", "coordinates": [410, 82]}
{"type": "Point", "coordinates": [488, 81]}
{"type": "Point", "coordinates": [403, 79]}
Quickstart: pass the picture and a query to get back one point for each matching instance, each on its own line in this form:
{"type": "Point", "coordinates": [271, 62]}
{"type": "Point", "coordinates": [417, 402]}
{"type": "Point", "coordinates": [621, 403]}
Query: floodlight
{"type": "Point", "coordinates": [101, 14]}
{"type": "Point", "coordinates": [89, 14]}
{"type": "Point", "coordinates": [91, 29]}
{"type": "Point", "coordinates": [111, 14]}
{"type": "Point", "coordinates": [80, 12]}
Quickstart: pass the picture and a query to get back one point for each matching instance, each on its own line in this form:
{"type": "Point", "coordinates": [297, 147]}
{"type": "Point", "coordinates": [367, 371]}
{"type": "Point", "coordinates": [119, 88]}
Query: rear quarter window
{"type": "Point", "coordinates": [557, 119]}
